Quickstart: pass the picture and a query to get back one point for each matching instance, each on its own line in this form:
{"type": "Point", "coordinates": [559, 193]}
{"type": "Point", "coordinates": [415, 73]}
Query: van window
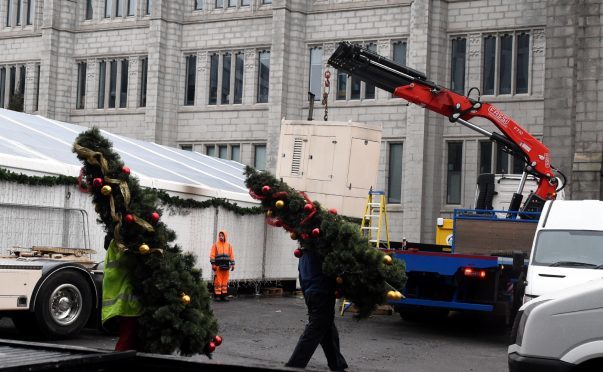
{"type": "Point", "coordinates": [569, 248]}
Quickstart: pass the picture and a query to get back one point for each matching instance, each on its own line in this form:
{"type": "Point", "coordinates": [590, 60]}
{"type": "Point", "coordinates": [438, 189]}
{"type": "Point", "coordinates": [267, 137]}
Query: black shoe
{"type": "Point", "coordinates": [218, 299]}
{"type": "Point", "coordinates": [225, 299]}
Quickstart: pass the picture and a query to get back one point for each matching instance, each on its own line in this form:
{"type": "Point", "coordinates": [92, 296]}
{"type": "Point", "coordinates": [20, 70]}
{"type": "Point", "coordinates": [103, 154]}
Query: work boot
{"type": "Point", "coordinates": [217, 298]}
{"type": "Point", "coordinates": [224, 298]}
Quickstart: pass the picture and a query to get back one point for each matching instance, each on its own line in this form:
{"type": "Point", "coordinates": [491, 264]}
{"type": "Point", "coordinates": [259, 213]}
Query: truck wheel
{"type": "Point", "coordinates": [63, 304]}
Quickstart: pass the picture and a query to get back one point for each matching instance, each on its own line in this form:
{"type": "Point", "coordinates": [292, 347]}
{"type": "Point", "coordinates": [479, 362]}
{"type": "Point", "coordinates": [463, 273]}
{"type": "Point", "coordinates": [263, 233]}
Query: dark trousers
{"type": "Point", "coordinates": [320, 330]}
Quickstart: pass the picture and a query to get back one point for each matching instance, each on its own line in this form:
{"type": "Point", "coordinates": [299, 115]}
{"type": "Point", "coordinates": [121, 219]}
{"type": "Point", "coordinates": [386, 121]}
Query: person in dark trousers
{"type": "Point", "coordinates": [319, 294]}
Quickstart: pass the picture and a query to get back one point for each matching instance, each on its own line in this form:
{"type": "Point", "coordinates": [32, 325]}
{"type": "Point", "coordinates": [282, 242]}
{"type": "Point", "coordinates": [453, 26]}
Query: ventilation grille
{"type": "Point", "coordinates": [297, 157]}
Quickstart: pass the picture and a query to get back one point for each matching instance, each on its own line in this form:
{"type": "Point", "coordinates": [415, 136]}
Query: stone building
{"type": "Point", "coordinates": [217, 76]}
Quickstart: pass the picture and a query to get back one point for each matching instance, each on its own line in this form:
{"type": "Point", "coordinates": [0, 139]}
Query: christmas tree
{"type": "Point", "coordinates": [364, 275]}
{"type": "Point", "coordinates": [176, 316]}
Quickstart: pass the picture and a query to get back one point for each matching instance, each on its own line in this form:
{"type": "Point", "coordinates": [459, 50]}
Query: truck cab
{"type": "Point", "coordinates": [567, 248]}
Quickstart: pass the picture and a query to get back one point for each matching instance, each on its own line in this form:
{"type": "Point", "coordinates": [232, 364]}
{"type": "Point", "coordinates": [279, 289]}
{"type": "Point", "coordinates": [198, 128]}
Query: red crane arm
{"type": "Point", "coordinates": [447, 103]}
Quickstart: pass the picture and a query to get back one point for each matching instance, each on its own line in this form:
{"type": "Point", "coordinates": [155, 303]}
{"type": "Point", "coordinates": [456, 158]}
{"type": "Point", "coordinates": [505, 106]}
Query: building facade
{"type": "Point", "coordinates": [218, 76]}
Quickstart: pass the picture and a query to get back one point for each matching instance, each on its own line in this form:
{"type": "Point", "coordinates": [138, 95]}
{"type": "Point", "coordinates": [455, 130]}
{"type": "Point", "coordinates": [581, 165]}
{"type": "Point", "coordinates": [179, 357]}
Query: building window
{"type": "Point", "coordinates": [351, 87]}
{"type": "Point", "coordinates": [235, 153]}
{"type": "Point", "coordinates": [131, 7]}
{"type": "Point", "coordinates": [506, 64]}
{"type": "Point", "coordinates": [148, 7]}
{"type": "Point", "coordinates": [223, 151]}
{"type": "Point", "coordinates": [144, 67]}
{"type": "Point", "coordinates": [522, 63]}
{"type": "Point", "coordinates": [37, 91]}
{"type": "Point", "coordinates": [219, 4]}
{"type": "Point", "coordinates": [89, 10]}
{"type": "Point", "coordinates": [119, 8]}
{"type": "Point", "coordinates": [2, 86]}
{"type": "Point", "coordinates": [210, 150]}
{"type": "Point", "coordinates": [457, 72]}
{"type": "Point", "coordinates": [199, 4]}
{"type": "Point", "coordinates": [30, 12]}
{"type": "Point", "coordinates": [259, 157]}
{"type": "Point", "coordinates": [238, 84]}
{"type": "Point", "coordinates": [394, 174]}
{"type": "Point", "coordinates": [110, 95]}
{"type": "Point", "coordinates": [245, 2]}
{"type": "Point", "coordinates": [8, 13]}
{"type": "Point", "coordinates": [186, 147]}
{"type": "Point", "coordinates": [399, 52]}
{"type": "Point", "coordinates": [502, 163]}
{"type": "Point", "coordinates": [220, 75]}
{"type": "Point", "coordinates": [266, 1]}
{"type": "Point", "coordinates": [263, 76]}
{"type": "Point", "coordinates": [18, 19]}
{"type": "Point", "coordinates": [123, 86]}
{"type": "Point", "coordinates": [102, 72]}
{"type": "Point", "coordinates": [108, 7]}
{"type": "Point", "coordinates": [81, 86]}
{"type": "Point", "coordinates": [315, 72]}
{"type": "Point", "coordinates": [454, 173]}
{"type": "Point", "coordinates": [191, 76]}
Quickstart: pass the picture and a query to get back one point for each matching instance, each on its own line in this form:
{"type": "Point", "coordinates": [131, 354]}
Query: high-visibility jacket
{"type": "Point", "coordinates": [118, 296]}
{"type": "Point", "coordinates": [221, 253]}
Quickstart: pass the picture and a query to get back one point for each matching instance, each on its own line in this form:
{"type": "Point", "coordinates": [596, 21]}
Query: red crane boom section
{"type": "Point", "coordinates": [445, 102]}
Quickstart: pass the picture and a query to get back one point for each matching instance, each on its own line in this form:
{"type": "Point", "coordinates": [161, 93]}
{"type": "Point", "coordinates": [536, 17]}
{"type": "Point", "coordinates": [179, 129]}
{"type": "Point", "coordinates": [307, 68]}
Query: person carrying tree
{"type": "Point", "coordinates": [222, 261]}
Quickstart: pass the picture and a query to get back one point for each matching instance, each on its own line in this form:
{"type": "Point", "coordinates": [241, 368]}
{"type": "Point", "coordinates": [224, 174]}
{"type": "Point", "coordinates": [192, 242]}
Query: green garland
{"type": "Point", "coordinates": [166, 199]}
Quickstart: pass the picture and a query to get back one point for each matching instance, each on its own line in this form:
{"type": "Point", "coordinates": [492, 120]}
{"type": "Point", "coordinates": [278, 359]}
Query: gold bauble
{"type": "Point", "coordinates": [293, 235]}
{"type": "Point", "coordinates": [387, 259]}
{"type": "Point", "coordinates": [269, 213]}
{"type": "Point", "coordinates": [279, 204]}
{"type": "Point", "coordinates": [106, 190]}
{"type": "Point", "coordinates": [186, 299]}
{"type": "Point", "coordinates": [398, 296]}
{"type": "Point", "coordinates": [144, 249]}
{"type": "Point", "coordinates": [339, 280]}
{"type": "Point", "coordinates": [391, 295]}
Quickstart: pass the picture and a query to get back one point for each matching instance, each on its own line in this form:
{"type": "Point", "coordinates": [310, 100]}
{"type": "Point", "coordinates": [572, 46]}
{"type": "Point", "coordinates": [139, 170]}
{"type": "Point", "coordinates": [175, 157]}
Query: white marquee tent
{"type": "Point", "coordinates": [63, 216]}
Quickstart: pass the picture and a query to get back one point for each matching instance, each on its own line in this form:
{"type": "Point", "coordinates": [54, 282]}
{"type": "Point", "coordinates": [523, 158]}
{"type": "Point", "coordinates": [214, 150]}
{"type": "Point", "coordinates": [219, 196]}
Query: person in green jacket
{"type": "Point", "coordinates": [119, 302]}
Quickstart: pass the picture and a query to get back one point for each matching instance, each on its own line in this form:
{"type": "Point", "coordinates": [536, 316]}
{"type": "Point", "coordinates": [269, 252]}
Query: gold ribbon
{"type": "Point", "coordinates": [92, 157]}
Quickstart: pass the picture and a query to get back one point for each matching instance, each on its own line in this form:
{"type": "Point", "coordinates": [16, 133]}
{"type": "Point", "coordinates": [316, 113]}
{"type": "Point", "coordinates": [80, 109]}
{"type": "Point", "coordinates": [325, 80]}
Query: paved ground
{"type": "Point", "coordinates": [265, 330]}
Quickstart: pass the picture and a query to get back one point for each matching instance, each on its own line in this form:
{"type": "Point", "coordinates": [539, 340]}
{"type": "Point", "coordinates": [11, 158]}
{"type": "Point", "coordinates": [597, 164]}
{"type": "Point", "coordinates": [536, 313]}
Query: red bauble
{"type": "Point", "coordinates": [211, 347]}
{"type": "Point", "coordinates": [217, 340]}
{"type": "Point", "coordinates": [125, 170]}
{"type": "Point", "coordinates": [129, 218]}
{"type": "Point", "coordinates": [298, 253]}
{"type": "Point", "coordinates": [155, 216]}
{"type": "Point", "coordinates": [278, 223]}
{"type": "Point", "coordinates": [97, 182]}
{"type": "Point", "coordinates": [265, 189]}
{"type": "Point", "coordinates": [305, 236]}
{"type": "Point", "coordinates": [315, 232]}
{"type": "Point", "coordinates": [308, 208]}
{"type": "Point", "coordinates": [333, 211]}
{"type": "Point", "coordinates": [337, 294]}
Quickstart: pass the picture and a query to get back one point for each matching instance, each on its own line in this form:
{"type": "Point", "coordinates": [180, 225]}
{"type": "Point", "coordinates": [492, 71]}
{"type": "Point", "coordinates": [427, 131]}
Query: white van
{"type": "Point", "coordinates": [567, 248]}
{"type": "Point", "coordinates": [560, 332]}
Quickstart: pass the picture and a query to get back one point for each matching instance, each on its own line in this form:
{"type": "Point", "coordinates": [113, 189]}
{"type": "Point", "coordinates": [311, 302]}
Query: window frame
{"type": "Point", "coordinates": [190, 79]}
{"type": "Point", "coordinates": [80, 101]}
{"type": "Point", "coordinates": [143, 75]}
{"type": "Point", "coordinates": [460, 172]}
{"type": "Point", "coordinates": [313, 68]}
{"type": "Point", "coordinates": [260, 95]}
{"type": "Point", "coordinates": [390, 174]}
{"type": "Point", "coordinates": [257, 146]}
{"type": "Point", "coordinates": [498, 70]}
{"type": "Point", "coordinates": [111, 75]}
{"type": "Point", "coordinates": [454, 65]}
{"type": "Point", "coordinates": [350, 82]}
{"type": "Point", "coordinates": [495, 159]}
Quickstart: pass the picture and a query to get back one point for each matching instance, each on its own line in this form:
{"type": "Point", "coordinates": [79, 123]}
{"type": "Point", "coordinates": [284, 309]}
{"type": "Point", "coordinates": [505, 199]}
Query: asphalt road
{"type": "Point", "coordinates": [264, 331]}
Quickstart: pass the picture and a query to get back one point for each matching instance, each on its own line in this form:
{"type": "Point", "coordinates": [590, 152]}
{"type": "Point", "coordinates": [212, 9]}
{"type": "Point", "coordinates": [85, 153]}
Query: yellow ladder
{"type": "Point", "coordinates": [372, 210]}
{"type": "Point", "coordinates": [375, 209]}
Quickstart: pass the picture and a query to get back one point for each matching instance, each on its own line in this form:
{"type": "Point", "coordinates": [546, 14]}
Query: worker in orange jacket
{"type": "Point", "coordinates": [222, 262]}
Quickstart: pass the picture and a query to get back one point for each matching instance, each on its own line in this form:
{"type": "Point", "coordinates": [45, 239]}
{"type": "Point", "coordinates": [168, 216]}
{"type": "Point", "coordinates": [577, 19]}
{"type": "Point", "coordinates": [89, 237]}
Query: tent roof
{"type": "Point", "coordinates": [35, 143]}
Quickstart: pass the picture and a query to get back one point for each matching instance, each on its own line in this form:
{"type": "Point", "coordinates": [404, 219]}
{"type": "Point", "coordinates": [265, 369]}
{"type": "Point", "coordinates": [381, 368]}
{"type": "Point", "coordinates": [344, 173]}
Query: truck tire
{"type": "Point", "coordinates": [63, 304]}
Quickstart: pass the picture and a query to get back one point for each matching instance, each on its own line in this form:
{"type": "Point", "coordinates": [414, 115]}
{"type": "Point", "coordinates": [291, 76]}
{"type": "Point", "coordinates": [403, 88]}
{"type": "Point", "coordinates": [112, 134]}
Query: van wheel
{"type": "Point", "coordinates": [63, 304]}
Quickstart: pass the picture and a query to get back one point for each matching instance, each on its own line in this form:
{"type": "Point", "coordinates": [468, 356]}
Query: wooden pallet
{"type": "Point", "coordinates": [272, 292]}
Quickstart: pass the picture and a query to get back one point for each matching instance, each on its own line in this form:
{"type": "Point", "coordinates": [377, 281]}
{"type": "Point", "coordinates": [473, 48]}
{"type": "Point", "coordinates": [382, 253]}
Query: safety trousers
{"type": "Point", "coordinates": [221, 282]}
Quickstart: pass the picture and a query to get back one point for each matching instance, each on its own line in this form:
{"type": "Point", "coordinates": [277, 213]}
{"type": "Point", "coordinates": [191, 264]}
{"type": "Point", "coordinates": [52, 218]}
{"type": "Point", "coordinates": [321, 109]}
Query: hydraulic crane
{"type": "Point", "coordinates": [413, 86]}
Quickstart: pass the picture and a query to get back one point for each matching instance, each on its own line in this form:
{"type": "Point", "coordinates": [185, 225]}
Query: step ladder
{"type": "Point", "coordinates": [373, 219]}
